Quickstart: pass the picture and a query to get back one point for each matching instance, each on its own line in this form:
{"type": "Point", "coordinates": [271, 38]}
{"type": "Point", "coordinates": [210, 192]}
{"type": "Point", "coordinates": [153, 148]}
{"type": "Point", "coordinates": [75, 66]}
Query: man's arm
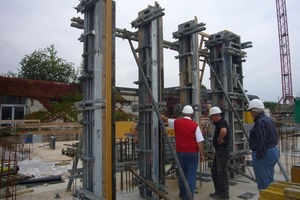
{"type": "Point", "coordinates": [223, 133]}
{"type": "Point", "coordinates": [164, 118]}
{"type": "Point", "coordinates": [200, 148]}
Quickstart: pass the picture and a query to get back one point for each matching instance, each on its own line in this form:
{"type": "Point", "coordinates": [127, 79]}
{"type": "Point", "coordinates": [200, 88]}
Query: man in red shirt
{"type": "Point", "coordinates": [189, 139]}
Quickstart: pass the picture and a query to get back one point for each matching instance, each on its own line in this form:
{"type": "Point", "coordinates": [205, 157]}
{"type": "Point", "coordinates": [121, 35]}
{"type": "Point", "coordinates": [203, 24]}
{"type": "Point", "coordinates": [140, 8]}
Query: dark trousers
{"type": "Point", "coordinates": [219, 171]}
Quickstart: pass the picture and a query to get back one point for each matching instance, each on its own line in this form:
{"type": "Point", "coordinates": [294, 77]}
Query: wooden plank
{"type": "Point", "coordinates": [292, 193]}
{"type": "Point", "coordinates": [281, 190]}
{"type": "Point", "coordinates": [277, 187]}
{"type": "Point", "coordinates": [19, 121]}
{"type": "Point", "coordinates": [49, 157]}
{"type": "Point", "coordinates": [272, 194]}
{"type": "Point", "coordinates": [280, 185]}
{"type": "Point", "coordinates": [54, 158]}
{"type": "Point", "coordinates": [56, 132]}
{"type": "Point", "coordinates": [51, 124]}
{"type": "Point", "coordinates": [295, 187]}
{"type": "Point", "coordinates": [288, 183]}
{"type": "Point", "coordinates": [262, 198]}
{"type": "Point", "coordinates": [61, 132]}
{"type": "Point", "coordinates": [24, 191]}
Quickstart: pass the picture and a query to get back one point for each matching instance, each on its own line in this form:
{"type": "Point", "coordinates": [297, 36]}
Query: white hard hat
{"type": "Point", "coordinates": [187, 110]}
{"type": "Point", "coordinates": [214, 110]}
{"type": "Point", "coordinates": [256, 103]}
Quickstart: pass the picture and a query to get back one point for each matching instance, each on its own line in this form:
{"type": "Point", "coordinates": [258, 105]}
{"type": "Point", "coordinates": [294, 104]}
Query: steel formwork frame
{"type": "Point", "coordinates": [98, 79]}
{"type": "Point", "coordinates": [150, 55]}
{"type": "Point", "coordinates": [98, 171]}
{"type": "Point", "coordinates": [188, 51]}
{"type": "Point", "coordinates": [226, 57]}
{"type": "Point", "coordinates": [189, 72]}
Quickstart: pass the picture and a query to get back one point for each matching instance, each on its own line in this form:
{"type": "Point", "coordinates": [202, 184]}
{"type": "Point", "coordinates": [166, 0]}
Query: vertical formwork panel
{"type": "Point", "coordinates": [98, 79]}
{"type": "Point", "coordinates": [189, 82]}
{"type": "Point", "coordinates": [226, 57]}
{"type": "Point", "coordinates": [150, 53]}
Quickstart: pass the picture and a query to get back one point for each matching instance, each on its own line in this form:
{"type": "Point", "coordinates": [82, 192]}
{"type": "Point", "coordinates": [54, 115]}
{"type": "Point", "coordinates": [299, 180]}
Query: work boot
{"type": "Point", "coordinates": [218, 196]}
{"type": "Point", "coordinates": [213, 194]}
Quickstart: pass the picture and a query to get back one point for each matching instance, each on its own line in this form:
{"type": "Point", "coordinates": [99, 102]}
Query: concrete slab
{"type": "Point", "coordinates": [40, 167]}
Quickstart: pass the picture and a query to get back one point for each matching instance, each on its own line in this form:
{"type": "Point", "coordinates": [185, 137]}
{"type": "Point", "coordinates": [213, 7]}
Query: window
{"type": "Point", "coordinates": [12, 108]}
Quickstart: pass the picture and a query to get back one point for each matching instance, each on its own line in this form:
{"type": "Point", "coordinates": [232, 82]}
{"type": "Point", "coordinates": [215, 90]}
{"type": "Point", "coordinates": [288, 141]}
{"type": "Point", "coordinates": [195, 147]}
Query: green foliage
{"type": "Point", "coordinates": [270, 105]}
{"type": "Point", "coordinates": [122, 116]}
{"type": "Point", "coordinates": [41, 115]}
{"type": "Point", "coordinates": [62, 110]}
{"type": "Point", "coordinates": [5, 132]}
{"type": "Point", "coordinates": [10, 74]}
{"type": "Point", "coordinates": [120, 113]}
{"type": "Point", "coordinates": [297, 110]}
{"type": "Point", "coordinates": [45, 65]}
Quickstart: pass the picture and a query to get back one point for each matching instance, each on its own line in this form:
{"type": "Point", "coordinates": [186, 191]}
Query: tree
{"type": "Point", "coordinates": [60, 110]}
{"type": "Point", "coordinates": [45, 65]}
{"type": "Point", "coordinates": [10, 74]}
{"type": "Point", "coordinates": [270, 105]}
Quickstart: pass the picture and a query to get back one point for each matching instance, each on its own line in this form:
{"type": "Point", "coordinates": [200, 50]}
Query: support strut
{"type": "Point", "coordinates": [149, 185]}
{"type": "Point", "coordinates": [189, 193]}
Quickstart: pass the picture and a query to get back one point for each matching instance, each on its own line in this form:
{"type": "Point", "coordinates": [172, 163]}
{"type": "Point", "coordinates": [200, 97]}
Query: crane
{"type": "Point", "coordinates": [284, 47]}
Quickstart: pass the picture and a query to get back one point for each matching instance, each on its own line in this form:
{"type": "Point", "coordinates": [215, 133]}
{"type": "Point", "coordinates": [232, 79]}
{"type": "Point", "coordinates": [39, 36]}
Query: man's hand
{"type": "Point", "coordinates": [220, 141]}
{"type": "Point", "coordinates": [164, 118]}
{"type": "Point", "coordinates": [202, 157]}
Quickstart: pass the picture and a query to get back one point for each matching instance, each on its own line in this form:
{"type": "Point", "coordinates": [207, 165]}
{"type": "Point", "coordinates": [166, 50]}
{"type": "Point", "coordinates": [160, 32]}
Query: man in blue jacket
{"type": "Point", "coordinates": [263, 143]}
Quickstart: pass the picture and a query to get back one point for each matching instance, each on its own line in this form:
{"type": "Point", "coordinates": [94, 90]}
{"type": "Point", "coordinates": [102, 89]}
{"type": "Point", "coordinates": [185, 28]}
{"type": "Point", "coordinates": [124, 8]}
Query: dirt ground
{"type": "Point", "coordinates": [42, 163]}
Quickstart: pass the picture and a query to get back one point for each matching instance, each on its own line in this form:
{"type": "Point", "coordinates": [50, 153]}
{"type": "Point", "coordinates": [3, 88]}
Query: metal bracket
{"type": "Point", "coordinates": [188, 29]}
{"type": "Point", "coordinates": [88, 159]}
{"type": "Point", "coordinates": [90, 104]}
{"type": "Point", "coordinates": [85, 5]}
{"type": "Point", "coordinates": [149, 14]}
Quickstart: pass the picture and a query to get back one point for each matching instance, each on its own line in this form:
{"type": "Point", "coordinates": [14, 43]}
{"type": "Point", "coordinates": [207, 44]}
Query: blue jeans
{"type": "Point", "coordinates": [264, 167]}
{"type": "Point", "coordinates": [189, 165]}
{"type": "Point", "coordinates": [219, 172]}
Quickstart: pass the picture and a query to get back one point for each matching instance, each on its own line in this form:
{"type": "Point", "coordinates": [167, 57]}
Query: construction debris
{"type": "Point", "coordinates": [50, 179]}
{"type": "Point", "coordinates": [71, 149]}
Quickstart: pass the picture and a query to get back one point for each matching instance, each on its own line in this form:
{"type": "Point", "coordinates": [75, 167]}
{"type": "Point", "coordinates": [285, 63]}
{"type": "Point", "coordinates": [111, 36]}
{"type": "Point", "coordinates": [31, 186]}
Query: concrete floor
{"type": "Point", "coordinates": [239, 186]}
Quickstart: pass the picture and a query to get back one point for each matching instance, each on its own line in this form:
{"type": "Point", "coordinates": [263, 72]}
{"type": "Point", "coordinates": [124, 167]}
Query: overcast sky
{"type": "Point", "coordinates": [31, 25]}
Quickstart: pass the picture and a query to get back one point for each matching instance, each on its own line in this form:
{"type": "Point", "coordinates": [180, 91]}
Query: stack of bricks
{"type": "Point", "coordinates": [281, 190]}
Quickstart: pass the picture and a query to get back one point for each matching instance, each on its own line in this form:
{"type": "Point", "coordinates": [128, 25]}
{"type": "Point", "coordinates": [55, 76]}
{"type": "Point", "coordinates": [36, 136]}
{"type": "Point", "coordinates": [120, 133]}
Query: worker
{"type": "Point", "coordinates": [263, 143]}
{"type": "Point", "coordinates": [220, 142]}
{"type": "Point", "coordinates": [188, 140]}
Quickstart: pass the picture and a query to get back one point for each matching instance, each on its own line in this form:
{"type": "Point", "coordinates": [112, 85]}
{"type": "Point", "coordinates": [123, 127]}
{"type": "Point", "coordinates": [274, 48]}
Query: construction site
{"type": "Point", "coordinates": [101, 158]}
